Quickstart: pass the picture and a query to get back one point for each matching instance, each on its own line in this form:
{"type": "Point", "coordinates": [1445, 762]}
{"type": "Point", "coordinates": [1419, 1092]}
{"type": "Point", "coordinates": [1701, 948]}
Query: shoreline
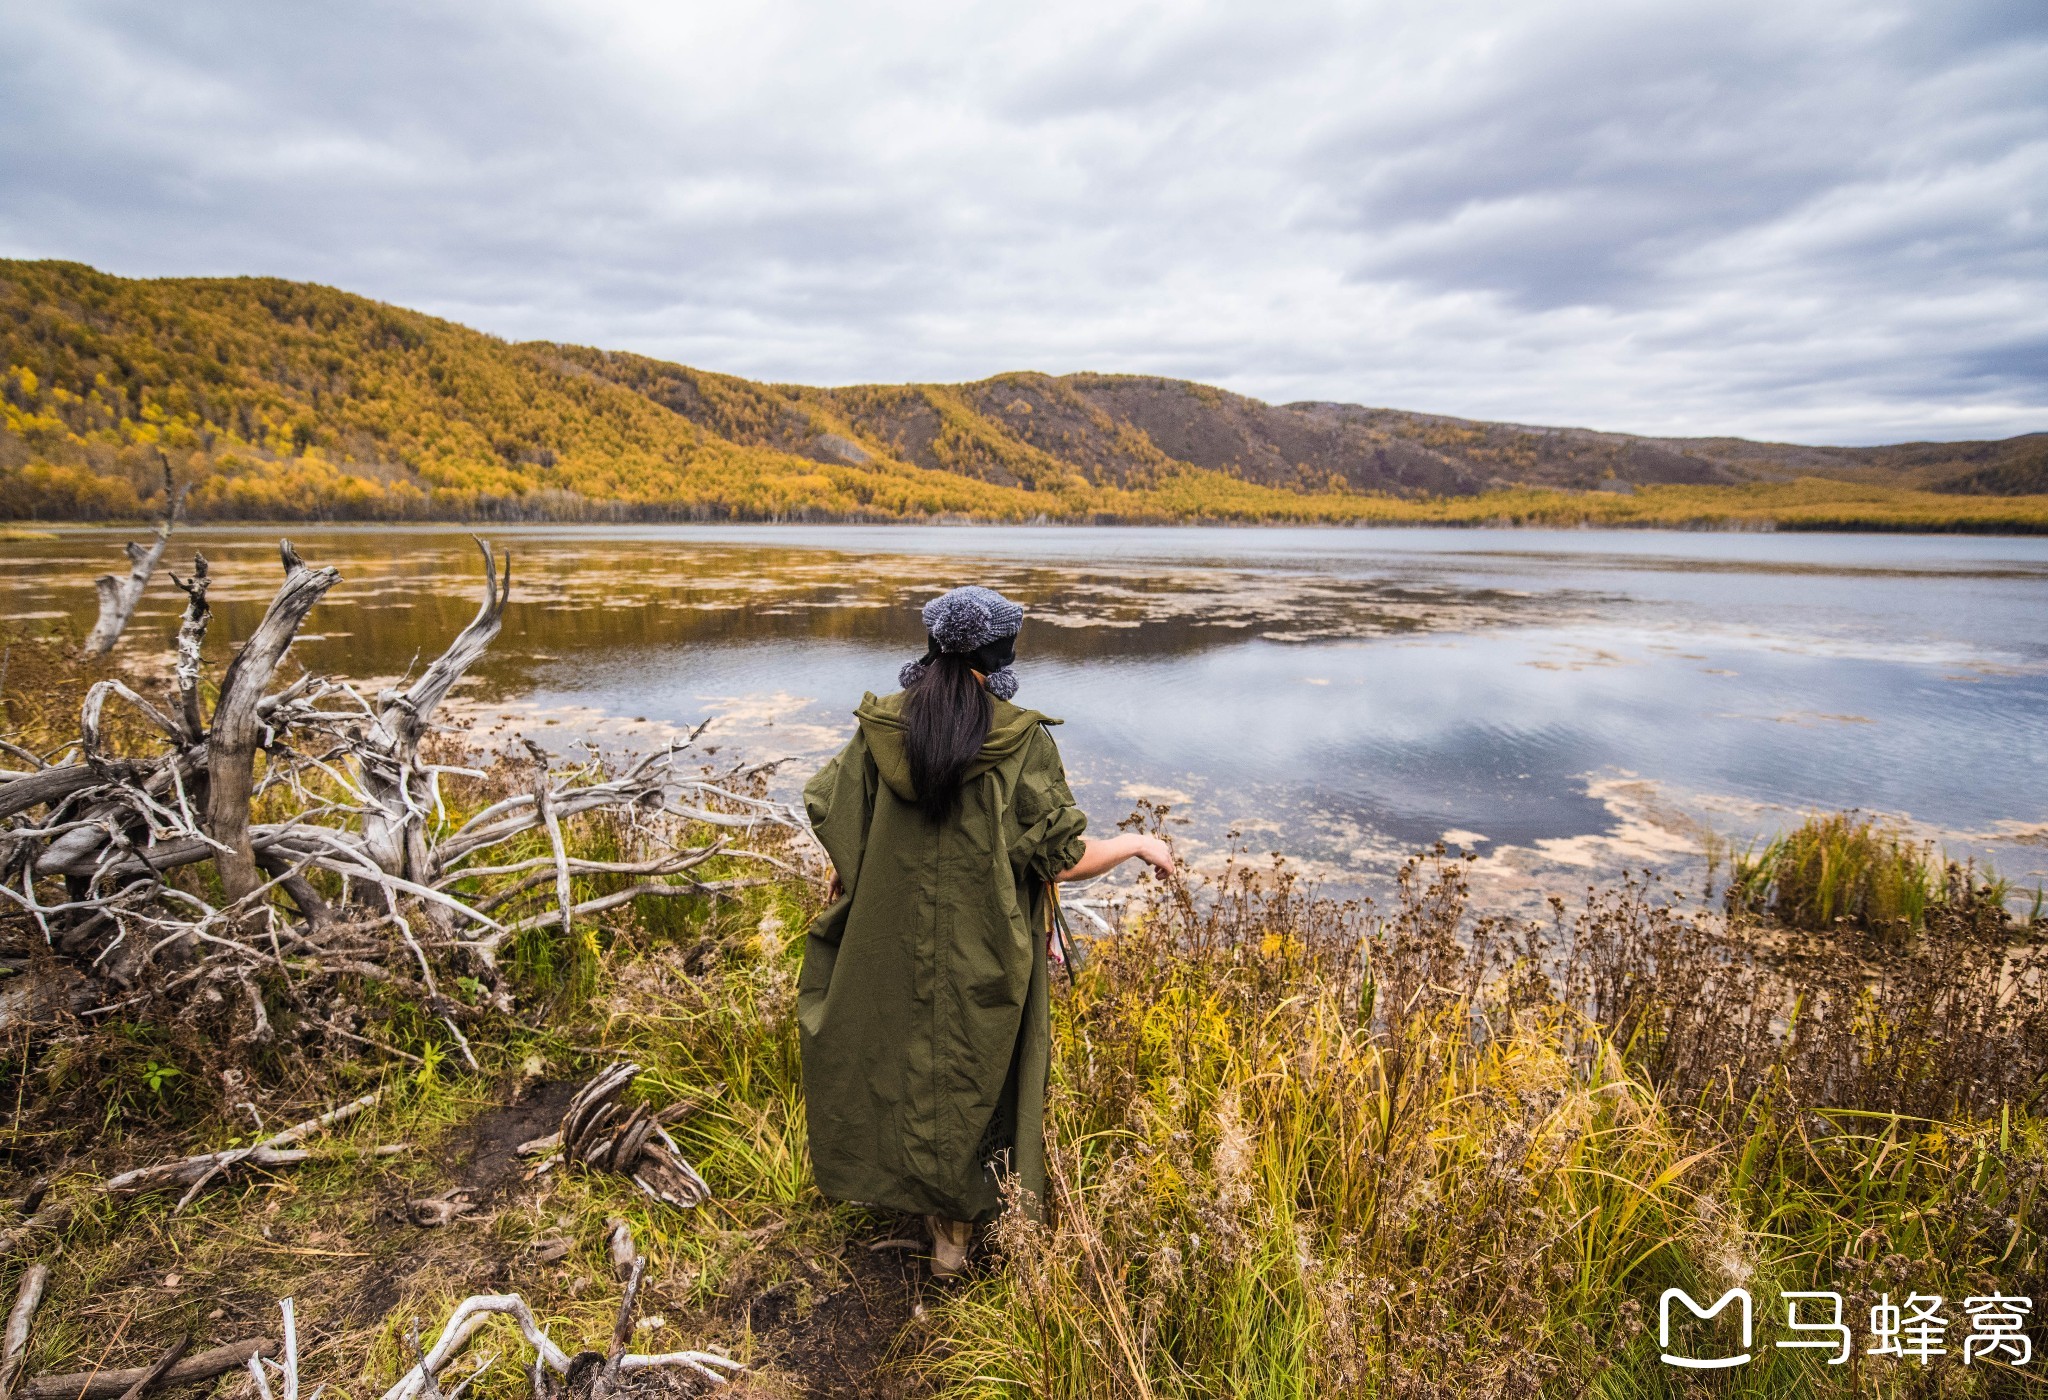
{"type": "Point", "coordinates": [37, 530]}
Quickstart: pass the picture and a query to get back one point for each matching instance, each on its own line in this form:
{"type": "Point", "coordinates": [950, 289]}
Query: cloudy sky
{"type": "Point", "coordinates": [1817, 220]}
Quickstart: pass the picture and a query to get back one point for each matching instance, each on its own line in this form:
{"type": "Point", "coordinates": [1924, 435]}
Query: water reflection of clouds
{"type": "Point", "coordinates": [1572, 703]}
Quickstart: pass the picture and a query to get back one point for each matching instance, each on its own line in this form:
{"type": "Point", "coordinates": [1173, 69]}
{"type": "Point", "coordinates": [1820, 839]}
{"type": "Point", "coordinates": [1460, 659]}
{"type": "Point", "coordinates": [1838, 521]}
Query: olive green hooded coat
{"type": "Point", "coordinates": [923, 999]}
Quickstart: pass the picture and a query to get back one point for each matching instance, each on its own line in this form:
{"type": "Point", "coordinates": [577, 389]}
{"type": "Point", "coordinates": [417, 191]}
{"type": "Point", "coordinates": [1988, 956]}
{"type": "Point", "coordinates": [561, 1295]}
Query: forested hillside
{"type": "Point", "coordinates": [283, 400]}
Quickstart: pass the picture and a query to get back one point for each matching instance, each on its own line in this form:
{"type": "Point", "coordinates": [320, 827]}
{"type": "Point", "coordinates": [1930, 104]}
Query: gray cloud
{"type": "Point", "coordinates": [1823, 222]}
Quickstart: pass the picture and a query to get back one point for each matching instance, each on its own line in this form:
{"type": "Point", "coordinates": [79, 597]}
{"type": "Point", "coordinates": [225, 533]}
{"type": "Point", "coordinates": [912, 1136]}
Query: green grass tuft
{"type": "Point", "coordinates": [1836, 869]}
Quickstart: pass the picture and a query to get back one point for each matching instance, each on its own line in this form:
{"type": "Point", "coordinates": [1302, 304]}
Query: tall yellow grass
{"type": "Point", "coordinates": [1300, 1148]}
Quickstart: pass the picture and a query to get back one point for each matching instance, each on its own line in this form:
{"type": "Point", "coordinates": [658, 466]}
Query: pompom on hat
{"type": "Point", "coordinates": [975, 622]}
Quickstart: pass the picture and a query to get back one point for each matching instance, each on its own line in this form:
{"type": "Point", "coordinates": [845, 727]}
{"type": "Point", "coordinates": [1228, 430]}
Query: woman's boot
{"type": "Point", "coordinates": [950, 1239]}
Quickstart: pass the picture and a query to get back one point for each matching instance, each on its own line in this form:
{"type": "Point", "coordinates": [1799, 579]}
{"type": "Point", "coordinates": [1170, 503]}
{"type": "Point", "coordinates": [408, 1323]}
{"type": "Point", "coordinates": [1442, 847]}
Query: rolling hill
{"type": "Point", "coordinates": [289, 401]}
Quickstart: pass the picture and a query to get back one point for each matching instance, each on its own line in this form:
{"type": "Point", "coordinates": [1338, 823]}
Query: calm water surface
{"type": "Point", "coordinates": [1565, 703]}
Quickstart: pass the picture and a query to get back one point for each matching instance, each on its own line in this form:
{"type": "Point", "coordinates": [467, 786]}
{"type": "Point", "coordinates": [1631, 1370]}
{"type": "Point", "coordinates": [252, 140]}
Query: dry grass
{"type": "Point", "coordinates": [1310, 1148]}
{"type": "Point", "coordinates": [1298, 1147]}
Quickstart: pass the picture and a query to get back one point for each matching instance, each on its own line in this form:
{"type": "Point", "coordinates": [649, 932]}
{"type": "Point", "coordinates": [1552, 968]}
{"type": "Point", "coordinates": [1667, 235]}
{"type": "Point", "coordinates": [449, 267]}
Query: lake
{"type": "Point", "coordinates": [1564, 703]}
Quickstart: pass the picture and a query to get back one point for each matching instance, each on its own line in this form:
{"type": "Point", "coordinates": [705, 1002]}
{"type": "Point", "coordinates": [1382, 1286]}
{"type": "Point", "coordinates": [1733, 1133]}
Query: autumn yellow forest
{"type": "Point", "coordinates": [279, 400]}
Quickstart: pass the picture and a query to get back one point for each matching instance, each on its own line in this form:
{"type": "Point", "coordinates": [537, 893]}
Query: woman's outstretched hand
{"type": "Point", "coordinates": [1157, 854]}
{"type": "Point", "coordinates": [1099, 856]}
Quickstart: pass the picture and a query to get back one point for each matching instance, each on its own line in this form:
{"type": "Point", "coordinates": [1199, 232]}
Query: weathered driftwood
{"type": "Point", "coordinates": [191, 639]}
{"type": "Point", "coordinates": [54, 783]}
{"type": "Point", "coordinates": [113, 828]}
{"type": "Point", "coordinates": [618, 1244]}
{"type": "Point", "coordinates": [154, 1376]}
{"type": "Point", "coordinates": [543, 803]}
{"type": "Point", "coordinates": [387, 756]}
{"type": "Point", "coordinates": [231, 744]}
{"type": "Point", "coordinates": [196, 1172]}
{"type": "Point", "coordinates": [193, 1173]}
{"type": "Point", "coordinates": [20, 1318]}
{"type": "Point", "coordinates": [119, 596]}
{"type": "Point", "coordinates": [550, 1360]}
{"type": "Point", "coordinates": [110, 1385]}
{"type": "Point", "coordinates": [420, 1382]}
{"type": "Point", "coordinates": [269, 1152]}
{"type": "Point", "coordinates": [601, 1134]}
{"type": "Point", "coordinates": [288, 1368]}
{"type": "Point", "coordinates": [433, 1212]}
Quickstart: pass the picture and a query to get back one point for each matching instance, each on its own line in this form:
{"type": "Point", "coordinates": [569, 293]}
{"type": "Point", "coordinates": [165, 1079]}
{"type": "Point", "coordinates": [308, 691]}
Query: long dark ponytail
{"type": "Point", "coordinates": [946, 716]}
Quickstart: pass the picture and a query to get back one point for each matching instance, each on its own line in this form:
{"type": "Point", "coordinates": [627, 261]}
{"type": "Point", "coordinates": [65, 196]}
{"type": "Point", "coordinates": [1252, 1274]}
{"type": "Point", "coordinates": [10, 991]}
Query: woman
{"type": "Point", "coordinates": [923, 999]}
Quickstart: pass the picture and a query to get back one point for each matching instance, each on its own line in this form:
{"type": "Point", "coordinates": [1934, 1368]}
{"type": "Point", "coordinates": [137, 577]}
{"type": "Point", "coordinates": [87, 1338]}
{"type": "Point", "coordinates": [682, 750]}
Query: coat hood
{"type": "Point", "coordinates": [881, 723]}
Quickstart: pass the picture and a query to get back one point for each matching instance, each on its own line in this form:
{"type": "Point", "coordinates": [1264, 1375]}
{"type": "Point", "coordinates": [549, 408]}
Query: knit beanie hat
{"type": "Point", "coordinates": [977, 623]}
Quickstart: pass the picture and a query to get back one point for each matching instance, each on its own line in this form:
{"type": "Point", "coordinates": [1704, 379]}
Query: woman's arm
{"type": "Point", "coordinates": [1098, 856]}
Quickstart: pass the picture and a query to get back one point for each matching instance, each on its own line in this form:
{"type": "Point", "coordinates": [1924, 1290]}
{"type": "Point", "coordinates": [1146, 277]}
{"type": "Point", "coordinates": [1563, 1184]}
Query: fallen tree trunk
{"type": "Point", "coordinates": [111, 1385]}
{"type": "Point", "coordinates": [56, 783]}
{"type": "Point", "coordinates": [89, 857]}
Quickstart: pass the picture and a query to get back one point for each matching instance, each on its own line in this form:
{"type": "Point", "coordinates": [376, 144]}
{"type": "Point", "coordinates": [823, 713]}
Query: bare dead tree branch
{"type": "Point", "coordinates": [116, 830]}
{"type": "Point", "coordinates": [119, 596]}
{"type": "Point", "coordinates": [191, 639]}
{"type": "Point", "coordinates": [648, 889]}
{"type": "Point", "coordinates": [195, 1171]}
{"type": "Point", "coordinates": [110, 1385]}
{"type": "Point", "coordinates": [543, 804]}
{"type": "Point", "coordinates": [388, 753]}
{"type": "Point", "coordinates": [20, 1319]}
{"type": "Point", "coordinates": [231, 745]}
{"type": "Point", "coordinates": [470, 1315]}
{"type": "Point", "coordinates": [298, 1131]}
{"type": "Point", "coordinates": [149, 1379]}
{"type": "Point", "coordinates": [622, 1328]}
